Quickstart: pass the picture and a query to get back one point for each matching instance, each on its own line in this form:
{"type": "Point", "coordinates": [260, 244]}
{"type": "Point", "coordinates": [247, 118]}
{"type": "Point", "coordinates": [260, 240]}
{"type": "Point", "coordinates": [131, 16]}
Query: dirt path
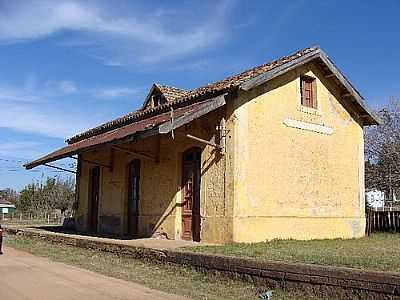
{"type": "Point", "coordinates": [24, 276]}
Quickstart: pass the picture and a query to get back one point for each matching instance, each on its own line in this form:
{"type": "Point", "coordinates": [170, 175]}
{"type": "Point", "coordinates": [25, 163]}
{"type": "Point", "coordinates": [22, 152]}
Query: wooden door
{"type": "Point", "coordinates": [133, 197]}
{"type": "Point", "coordinates": [94, 188]}
{"type": "Point", "coordinates": [191, 194]}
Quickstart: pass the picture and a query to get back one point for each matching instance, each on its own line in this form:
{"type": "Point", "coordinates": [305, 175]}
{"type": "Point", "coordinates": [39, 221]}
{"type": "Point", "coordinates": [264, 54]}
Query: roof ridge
{"type": "Point", "coordinates": [160, 85]}
{"type": "Point", "coordinates": [308, 49]}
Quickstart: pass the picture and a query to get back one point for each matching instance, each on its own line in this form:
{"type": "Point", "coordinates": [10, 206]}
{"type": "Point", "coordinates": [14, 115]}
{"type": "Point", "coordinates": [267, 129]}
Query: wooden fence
{"type": "Point", "coordinates": [382, 220]}
{"type": "Point", "coordinates": [30, 219]}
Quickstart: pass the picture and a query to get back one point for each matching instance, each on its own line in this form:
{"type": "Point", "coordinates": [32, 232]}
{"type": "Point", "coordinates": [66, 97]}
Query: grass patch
{"type": "Point", "coordinates": [165, 277]}
{"type": "Point", "coordinates": [380, 251]}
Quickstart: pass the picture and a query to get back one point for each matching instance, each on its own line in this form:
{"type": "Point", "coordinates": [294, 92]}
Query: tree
{"type": "Point", "coordinates": [40, 198]}
{"type": "Point", "coordinates": [382, 150]}
{"type": "Point", "coordinates": [64, 195]}
{"type": "Point", "coordinates": [26, 199]}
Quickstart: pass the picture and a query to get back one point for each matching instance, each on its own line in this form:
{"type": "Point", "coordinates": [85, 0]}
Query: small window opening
{"type": "Point", "coordinates": [308, 89]}
{"type": "Point", "coordinates": [156, 100]}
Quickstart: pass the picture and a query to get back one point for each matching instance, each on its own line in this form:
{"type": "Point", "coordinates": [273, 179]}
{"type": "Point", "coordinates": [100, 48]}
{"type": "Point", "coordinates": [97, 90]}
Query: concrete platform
{"type": "Point", "coordinates": [151, 243]}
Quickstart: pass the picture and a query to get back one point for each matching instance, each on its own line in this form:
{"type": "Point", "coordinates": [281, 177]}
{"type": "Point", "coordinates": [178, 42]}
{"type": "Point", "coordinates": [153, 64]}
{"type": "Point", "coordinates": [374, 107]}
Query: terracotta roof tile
{"type": "Point", "coordinates": [180, 96]}
{"type": "Point", "coordinates": [171, 93]}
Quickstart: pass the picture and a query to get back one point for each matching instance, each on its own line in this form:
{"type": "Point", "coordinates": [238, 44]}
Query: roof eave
{"type": "Point", "coordinates": [369, 118]}
{"type": "Point", "coordinates": [370, 114]}
{"type": "Point", "coordinates": [202, 108]}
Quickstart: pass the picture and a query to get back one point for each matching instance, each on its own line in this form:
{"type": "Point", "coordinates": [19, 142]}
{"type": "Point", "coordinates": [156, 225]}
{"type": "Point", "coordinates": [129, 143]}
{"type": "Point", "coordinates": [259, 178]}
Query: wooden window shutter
{"type": "Point", "coordinates": [314, 94]}
{"type": "Point", "coordinates": [308, 87]}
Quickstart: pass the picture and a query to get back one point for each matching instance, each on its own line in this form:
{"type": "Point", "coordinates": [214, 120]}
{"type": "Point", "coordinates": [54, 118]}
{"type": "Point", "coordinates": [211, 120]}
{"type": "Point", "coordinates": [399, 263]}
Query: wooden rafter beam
{"type": "Point", "coordinates": [92, 162]}
{"type": "Point", "coordinates": [135, 153]}
{"type": "Point", "coordinates": [319, 57]}
{"type": "Point", "coordinates": [175, 123]}
{"type": "Point", "coordinates": [203, 141]}
{"type": "Point", "coordinates": [59, 168]}
{"type": "Point", "coordinates": [330, 75]}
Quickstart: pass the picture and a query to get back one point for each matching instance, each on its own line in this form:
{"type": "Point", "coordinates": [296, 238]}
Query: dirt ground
{"type": "Point", "coordinates": [27, 277]}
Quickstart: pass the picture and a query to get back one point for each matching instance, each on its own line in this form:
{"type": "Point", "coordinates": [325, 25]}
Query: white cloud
{"type": "Point", "coordinates": [64, 87]}
{"type": "Point", "coordinates": [138, 38]}
{"type": "Point", "coordinates": [34, 107]}
{"type": "Point", "coordinates": [115, 92]}
{"type": "Point", "coordinates": [40, 107]}
{"type": "Point", "coordinates": [34, 92]}
{"type": "Point", "coordinates": [17, 95]}
{"type": "Point", "coordinates": [40, 120]}
{"type": "Point", "coordinates": [21, 149]}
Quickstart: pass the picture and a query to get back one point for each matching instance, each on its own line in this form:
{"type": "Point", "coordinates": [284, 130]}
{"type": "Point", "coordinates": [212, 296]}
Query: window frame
{"type": "Point", "coordinates": [313, 103]}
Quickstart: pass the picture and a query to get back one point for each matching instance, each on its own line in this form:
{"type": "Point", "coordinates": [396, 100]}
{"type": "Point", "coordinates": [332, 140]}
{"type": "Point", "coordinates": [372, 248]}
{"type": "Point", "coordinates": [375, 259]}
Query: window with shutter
{"type": "Point", "coordinates": [308, 91]}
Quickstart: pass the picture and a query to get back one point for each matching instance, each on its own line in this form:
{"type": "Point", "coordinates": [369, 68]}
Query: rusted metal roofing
{"type": "Point", "coordinates": [129, 132]}
{"type": "Point", "coordinates": [218, 87]}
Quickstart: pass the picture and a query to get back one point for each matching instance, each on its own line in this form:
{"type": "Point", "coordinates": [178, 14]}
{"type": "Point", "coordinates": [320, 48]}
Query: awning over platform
{"type": "Point", "coordinates": [159, 124]}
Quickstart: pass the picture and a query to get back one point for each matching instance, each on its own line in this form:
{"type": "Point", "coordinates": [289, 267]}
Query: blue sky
{"type": "Point", "coordinates": [66, 66]}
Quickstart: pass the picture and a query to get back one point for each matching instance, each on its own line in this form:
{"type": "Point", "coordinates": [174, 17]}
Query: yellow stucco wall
{"type": "Point", "coordinates": [290, 182]}
{"type": "Point", "coordinates": [160, 184]}
{"type": "Point", "coordinates": [274, 181]}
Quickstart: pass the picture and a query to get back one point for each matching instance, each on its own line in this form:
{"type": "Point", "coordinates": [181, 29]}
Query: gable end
{"type": "Point", "coordinates": [331, 71]}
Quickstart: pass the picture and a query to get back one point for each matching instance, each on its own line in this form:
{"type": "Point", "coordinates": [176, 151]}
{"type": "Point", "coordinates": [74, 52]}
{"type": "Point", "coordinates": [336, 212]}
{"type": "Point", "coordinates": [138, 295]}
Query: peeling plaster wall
{"type": "Point", "coordinates": [290, 182]}
{"type": "Point", "coordinates": [160, 185]}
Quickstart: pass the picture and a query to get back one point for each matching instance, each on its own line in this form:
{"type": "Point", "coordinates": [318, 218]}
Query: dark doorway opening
{"type": "Point", "coordinates": [191, 179]}
{"type": "Point", "coordinates": [133, 197]}
{"type": "Point", "coordinates": [94, 194]}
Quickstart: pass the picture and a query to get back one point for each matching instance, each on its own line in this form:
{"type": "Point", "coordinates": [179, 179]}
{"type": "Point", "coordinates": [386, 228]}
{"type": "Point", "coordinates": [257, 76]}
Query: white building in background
{"type": "Point", "coordinates": [375, 198]}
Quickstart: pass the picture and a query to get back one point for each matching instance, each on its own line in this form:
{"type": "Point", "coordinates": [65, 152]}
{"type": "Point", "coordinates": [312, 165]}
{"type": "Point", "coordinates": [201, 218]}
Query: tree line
{"type": "Point", "coordinates": [382, 152]}
{"type": "Point", "coordinates": [41, 198]}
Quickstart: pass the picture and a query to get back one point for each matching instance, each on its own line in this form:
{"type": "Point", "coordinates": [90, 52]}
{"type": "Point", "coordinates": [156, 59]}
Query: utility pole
{"type": "Point", "coordinates": [390, 184]}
